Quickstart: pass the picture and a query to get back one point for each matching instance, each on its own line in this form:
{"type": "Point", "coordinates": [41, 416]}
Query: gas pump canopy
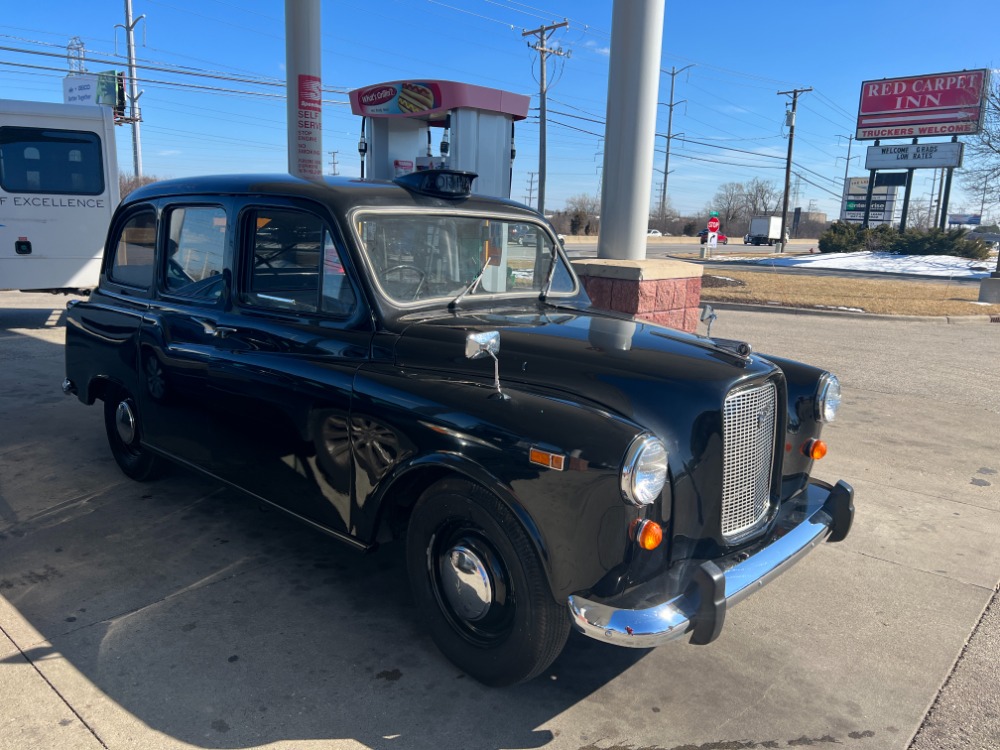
{"type": "Point", "coordinates": [432, 100]}
{"type": "Point", "coordinates": [478, 134]}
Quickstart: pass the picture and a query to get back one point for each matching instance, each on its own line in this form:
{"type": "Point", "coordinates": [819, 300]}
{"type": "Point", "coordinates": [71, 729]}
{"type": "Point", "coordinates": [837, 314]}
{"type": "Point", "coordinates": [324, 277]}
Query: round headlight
{"type": "Point", "coordinates": [828, 398]}
{"type": "Point", "coordinates": [645, 470]}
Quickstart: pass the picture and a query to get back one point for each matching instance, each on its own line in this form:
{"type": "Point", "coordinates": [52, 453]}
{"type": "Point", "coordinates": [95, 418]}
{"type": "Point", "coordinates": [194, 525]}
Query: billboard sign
{"type": "Point", "coordinates": [91, 88]}
{"type": "Point", "coordinates": [971, 219]}
{"type": "Point", "coordinates": [859, 186]}
{"type": "Point", "coordinates": [915, 156]}
{"type": "Point", "coordinates": [922, 106]}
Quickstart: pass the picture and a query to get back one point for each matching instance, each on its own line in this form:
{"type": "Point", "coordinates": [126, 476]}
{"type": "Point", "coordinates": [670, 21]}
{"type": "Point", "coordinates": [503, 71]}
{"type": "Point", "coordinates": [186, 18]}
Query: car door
{"type": "Point", "coordinates": [282, 375]}
{"type": "Point", "coordinates": [105, 331]}
{"type": "Point", "coordinates": [181, 329]}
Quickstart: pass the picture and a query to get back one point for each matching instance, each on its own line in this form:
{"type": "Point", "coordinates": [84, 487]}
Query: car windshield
{"type": "Point", "coordinates": [421, 257]}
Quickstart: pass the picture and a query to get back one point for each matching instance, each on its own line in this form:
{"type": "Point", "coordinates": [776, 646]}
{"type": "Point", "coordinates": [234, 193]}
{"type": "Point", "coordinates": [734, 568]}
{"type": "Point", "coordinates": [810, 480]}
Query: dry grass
{"type": "Point", "coordinates": [866, 295]}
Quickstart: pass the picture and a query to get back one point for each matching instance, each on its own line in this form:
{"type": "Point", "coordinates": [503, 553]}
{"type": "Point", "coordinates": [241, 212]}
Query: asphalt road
{"type": "Point", "coordinates": [176, 614]}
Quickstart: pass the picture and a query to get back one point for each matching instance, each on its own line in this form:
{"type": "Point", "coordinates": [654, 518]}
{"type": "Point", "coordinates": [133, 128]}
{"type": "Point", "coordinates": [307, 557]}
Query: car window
{"type": "Point", "coordinates": [295, 265]}
{"type": "Point", "coordinates": [132, 263]}
{"type": "Point", "coordinates": [417, 257]}
{"type": "Point", "coordinates": [195, 250]}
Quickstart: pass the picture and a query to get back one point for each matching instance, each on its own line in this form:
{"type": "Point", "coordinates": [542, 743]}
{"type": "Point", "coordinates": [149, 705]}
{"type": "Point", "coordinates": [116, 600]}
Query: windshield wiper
{"type": "Point", "coordinates": [549, 277]}
{"type": "Point", "coordinates": [475, 282]}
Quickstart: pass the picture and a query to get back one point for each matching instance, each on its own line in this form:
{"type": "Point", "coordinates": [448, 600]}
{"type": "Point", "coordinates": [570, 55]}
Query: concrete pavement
{"type": "Point", "coordinates": [177, 614]}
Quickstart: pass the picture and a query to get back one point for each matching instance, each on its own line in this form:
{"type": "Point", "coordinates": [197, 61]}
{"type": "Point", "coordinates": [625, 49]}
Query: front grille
{"type": "Point", "coordinates": [749, 419]}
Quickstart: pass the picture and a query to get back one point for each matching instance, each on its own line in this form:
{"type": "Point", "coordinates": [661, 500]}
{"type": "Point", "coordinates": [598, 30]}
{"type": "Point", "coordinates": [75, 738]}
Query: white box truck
{"type": "Point", "coordinates": [58, 189]}
{"type": "Point", "coordinates": [765, 230]}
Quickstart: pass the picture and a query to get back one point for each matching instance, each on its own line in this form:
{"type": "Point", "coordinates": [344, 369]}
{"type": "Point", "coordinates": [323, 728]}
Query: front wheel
{"type": "Point", "coordinates": [480, 586]}
{"type": "Point", "coordinates": [121, 422]}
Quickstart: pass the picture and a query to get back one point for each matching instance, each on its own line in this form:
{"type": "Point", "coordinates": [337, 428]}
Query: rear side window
{"type": "Point", "coordinates": [132, 263]}
{"type": "Point", "coordinates": [43, 160]}
{"type": "Point", "coordinates": [295, 265]}
{"type": "Point", "coordinates": [196, 245]}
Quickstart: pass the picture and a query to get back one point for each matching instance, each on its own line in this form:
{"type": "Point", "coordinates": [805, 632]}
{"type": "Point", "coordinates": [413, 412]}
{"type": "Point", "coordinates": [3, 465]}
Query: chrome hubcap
{"type": "Point", "coordinates": [125, 422]}
{"type": "Point", "coordinates": [466, 583]}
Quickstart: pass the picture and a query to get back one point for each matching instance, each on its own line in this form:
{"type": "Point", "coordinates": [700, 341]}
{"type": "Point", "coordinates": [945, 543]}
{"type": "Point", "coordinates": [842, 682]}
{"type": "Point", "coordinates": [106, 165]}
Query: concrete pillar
{"type": "Point", "coordinates": [633, 86]}
{"type": "Point", "coordinates": [304, 88]}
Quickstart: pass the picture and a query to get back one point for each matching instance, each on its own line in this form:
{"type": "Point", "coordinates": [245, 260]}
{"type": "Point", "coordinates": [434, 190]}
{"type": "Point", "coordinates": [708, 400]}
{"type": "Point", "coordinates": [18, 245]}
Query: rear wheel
{"type": "Point", "coordinates": [479, 585]}
{"type": "Point", "coordinates": [122, 424]}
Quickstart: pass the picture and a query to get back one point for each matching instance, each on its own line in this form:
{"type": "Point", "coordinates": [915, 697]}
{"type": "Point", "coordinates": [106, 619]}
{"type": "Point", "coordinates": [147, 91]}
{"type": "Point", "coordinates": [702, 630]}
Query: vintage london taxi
{"type": "Point", "coordinates": [381, 361]}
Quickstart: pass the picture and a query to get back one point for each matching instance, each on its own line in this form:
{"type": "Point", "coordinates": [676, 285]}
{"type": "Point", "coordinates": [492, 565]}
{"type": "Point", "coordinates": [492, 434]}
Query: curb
{"type": "Point", "coordinates": [945, 319]}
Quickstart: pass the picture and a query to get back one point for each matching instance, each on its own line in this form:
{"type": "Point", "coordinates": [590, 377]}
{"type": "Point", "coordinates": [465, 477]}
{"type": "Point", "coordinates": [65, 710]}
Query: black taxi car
{"type": "Point", "coordinates": [382, 362]}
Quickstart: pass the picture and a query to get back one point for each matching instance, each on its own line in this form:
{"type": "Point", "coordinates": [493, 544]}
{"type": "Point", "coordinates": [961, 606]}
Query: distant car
{"type": "Point", "coordinates": [654, 233]}
{"type": "Point", "coordinates": [561, 238]}
{"type": "Point", "coordinates": [720, 237]}
{"type": "Point", "coordinates": [746, 239]}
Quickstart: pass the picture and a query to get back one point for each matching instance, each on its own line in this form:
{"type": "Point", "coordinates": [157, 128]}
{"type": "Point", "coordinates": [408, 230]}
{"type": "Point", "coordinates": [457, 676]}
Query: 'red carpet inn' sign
{"type": "Point", "coordinates": [922, 106]}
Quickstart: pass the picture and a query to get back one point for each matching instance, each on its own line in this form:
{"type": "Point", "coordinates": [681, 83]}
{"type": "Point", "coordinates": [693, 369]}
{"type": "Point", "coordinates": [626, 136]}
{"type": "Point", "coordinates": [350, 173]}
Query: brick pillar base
{"type": "Point", "coordinates": [667, 292]}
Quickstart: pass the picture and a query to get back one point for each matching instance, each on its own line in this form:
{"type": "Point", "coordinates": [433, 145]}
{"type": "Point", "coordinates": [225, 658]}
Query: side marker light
{"type": "Point", "coordinates": [815, 449]}
{"type": "Point", "coordinates": [647, 534]}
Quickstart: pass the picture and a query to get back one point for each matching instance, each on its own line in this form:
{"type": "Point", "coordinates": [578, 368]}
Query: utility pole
{"type": "Point", "coordinates": [544, 33]}
{"type": "Point", "coordinates": [334, 166]}
{"type": "Point", "coordinates": [847, 167]}
{"type": "Point", "coordinates": [531, 187]}
{"type": "Point", "coordinates": [670, 123]}
{"type": "Point", "coordinates": [788, 165]}
{"type": "Point", "coordinates": [134, 116]}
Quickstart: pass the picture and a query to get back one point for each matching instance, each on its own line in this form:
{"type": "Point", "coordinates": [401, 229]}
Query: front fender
{"type": "Point", "coordinates": [575, 516]}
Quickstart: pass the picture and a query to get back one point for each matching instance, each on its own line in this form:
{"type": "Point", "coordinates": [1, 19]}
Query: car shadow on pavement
{"type": "Point", "coordinates": [185, 609]}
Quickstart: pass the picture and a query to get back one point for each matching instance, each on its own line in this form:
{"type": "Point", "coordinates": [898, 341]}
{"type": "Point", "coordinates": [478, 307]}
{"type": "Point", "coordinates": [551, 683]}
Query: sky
{"type": "Point", "coordinates": [740, 56]}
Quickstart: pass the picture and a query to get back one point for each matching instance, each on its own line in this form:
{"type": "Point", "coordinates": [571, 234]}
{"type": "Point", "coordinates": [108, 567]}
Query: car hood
{"type": "Point", "coordinates": [636, 369]}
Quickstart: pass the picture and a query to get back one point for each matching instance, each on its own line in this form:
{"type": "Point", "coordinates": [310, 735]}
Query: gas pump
{"type": "Point", "coordinates": [476, 125]}
{"type": "Point", "coordinates": [399, 122]}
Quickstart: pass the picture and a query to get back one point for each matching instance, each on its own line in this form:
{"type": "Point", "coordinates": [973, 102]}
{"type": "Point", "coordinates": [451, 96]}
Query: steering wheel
{"type": "Point", "coordinates": [409, 267]}
{"type": "Point", "coordinates": [177, 270]}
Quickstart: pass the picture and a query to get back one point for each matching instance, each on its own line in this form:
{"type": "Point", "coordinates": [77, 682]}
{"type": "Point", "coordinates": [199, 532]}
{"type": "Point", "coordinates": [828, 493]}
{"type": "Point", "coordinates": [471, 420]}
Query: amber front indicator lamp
{"type": "Point", "coordinates": [647, 534]}
{"type": "Point", "coordinates": [815, 449]}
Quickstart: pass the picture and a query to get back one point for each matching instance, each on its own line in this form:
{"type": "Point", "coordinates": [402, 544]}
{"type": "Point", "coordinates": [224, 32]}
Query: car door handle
{"type": "Point", "coordinates": [212, 329]}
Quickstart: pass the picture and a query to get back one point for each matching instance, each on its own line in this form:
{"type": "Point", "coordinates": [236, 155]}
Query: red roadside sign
{"type": "Point", "coordinates": [713, 224]}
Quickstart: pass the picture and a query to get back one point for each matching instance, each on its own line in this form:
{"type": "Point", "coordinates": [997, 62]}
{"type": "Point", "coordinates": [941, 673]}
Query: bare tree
{"type": "Point", "coordinates": [730, 202]}
{"type": "Point", "coordinates": [981, 173]}
{"type": "Point", "coordinates": [583, 211]}
{"type": "Point", "coordinates": [761, 197]}
{"type": "Point", "coordinates": [129, 182]}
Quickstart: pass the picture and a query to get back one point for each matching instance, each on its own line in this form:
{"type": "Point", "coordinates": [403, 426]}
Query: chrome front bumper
{"type": "Point", "coordinates": [824, 513]}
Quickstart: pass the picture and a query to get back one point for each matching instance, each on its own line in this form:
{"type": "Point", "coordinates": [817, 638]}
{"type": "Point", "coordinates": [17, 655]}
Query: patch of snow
{"type": "Point", "coordinates": [945, 266]}
{"type": "Point", "coordinates": [838, 307]}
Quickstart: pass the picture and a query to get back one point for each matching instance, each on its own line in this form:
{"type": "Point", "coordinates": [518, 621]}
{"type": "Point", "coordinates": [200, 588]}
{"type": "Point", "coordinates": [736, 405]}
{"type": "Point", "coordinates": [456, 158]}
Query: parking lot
{"type": "Point", "coordinates": [178, 614]}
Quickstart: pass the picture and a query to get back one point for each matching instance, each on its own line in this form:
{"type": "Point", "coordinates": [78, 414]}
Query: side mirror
{"type": "Point", "coordinates": [485, 344]}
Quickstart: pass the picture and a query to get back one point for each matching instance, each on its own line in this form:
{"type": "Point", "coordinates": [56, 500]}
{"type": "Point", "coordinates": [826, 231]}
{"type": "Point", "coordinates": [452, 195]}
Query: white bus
{"type": "Point", "coordinates": [58, 189]}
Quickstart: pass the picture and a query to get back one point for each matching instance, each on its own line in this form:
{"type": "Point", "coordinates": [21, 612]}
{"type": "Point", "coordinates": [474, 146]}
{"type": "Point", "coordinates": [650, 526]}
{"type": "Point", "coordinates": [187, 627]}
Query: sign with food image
{"type": "Point", "coordinates": [403, 98]}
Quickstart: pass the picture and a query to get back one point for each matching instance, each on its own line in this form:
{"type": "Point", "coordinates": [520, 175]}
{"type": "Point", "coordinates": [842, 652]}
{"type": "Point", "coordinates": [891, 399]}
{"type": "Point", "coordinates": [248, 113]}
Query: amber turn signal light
{"type": "Point", "coordinates": [815, 449]}
{"type": "Point", "coordinates": [647, 534]}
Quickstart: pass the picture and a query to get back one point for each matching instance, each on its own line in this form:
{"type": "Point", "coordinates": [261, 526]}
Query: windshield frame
{"type": "Point", "coordinates": [357, 214]}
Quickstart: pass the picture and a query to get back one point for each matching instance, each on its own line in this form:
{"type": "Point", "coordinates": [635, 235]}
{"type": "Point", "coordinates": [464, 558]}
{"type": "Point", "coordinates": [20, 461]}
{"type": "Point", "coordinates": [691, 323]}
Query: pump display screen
{"type": "Point", "coordinates": [425, 256]}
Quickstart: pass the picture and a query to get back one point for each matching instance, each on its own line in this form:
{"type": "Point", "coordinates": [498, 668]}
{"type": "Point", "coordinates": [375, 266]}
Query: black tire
{"type": "Point", "coordinates": [521, 629]}
{"type": "Point", "coordinates": [135, 461]}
